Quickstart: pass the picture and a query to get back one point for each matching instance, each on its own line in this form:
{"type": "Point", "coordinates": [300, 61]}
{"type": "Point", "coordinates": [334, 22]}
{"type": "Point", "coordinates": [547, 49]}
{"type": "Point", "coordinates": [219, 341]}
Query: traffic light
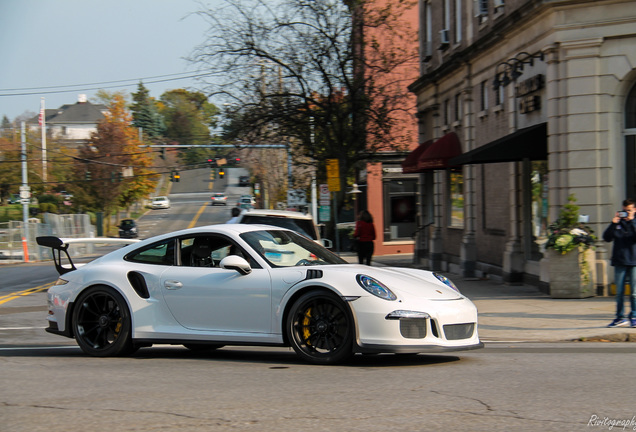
{"type": "Point", "coordinates": [87, 175]}
{"type": "Point", "coordinates": [221, 173]}
{"type": "Point", "coordinates": [172, 176]}
{"type": "Point", "coordinates": [177, 177]}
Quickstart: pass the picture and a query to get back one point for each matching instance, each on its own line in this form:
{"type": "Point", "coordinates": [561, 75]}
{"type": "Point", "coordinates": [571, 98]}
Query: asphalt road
{"type": "Point", "coordinates": [534, 387]}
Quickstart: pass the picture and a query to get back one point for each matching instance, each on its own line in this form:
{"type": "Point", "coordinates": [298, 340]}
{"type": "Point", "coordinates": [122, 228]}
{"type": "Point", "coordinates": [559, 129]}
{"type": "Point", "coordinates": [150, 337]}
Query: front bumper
{"type": "Point", "coordinates": [415, 327]}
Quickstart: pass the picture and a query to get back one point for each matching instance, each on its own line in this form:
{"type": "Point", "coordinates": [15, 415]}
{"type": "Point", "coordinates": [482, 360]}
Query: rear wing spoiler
{"type": "Point", "coordinates": [59, 245]}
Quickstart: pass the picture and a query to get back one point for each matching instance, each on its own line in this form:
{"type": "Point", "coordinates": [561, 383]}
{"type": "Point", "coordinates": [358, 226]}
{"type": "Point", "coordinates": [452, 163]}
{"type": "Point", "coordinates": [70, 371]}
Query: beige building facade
{"type": "Point", "coordinates": [541, 96]}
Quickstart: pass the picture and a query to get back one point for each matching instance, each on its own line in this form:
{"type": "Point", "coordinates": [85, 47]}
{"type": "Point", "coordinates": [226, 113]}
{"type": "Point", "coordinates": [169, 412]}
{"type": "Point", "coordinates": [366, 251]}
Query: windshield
{"type": "Point", "coordinates": [288, 249]}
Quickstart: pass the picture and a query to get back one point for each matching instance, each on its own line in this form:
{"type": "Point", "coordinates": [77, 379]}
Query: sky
{"type": "Point", "coordinates": [52, 43]}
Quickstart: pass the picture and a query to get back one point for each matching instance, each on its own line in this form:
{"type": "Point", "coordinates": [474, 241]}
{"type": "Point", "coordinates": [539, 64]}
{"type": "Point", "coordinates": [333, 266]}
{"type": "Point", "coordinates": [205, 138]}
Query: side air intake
{"type": "Point", "coordinates": [314, 274]}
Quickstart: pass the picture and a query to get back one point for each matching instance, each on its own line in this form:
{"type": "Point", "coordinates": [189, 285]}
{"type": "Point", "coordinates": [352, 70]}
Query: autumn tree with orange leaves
{"type": "Point", "coordinates": [112, 170]}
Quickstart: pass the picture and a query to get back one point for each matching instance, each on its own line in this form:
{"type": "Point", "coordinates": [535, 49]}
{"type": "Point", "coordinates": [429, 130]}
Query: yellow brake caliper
{"type": "Point", "coordinates": [306, 321]}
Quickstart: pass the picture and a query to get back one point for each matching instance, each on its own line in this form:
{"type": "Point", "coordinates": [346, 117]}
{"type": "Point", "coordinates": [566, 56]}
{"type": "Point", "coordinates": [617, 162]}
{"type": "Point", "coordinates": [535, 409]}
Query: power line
{"type": "Point", "coordinates": [82, 87]}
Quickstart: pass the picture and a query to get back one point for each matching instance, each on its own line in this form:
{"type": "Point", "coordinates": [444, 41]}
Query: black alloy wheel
{"type": "Point", "coordinates": [320, 328]}
{"type": "Point", "coordinates": [102, 324]}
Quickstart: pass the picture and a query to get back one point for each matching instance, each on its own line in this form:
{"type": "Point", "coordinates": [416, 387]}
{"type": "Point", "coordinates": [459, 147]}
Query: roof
{"type": "Point", "coordinates": [278, 213]}
{"type": "Point", "coordinates": [78, 113]}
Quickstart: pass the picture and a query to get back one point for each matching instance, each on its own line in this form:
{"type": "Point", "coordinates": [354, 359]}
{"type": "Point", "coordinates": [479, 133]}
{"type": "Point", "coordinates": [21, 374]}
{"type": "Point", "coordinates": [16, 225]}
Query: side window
{"type": "Point", "coordinates": [208, 251]}
{"type": "Point", "coordinates": [161, 253]}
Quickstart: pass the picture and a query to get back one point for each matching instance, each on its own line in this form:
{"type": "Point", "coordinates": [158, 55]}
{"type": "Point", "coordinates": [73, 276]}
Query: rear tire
{"type": "Point", "coordinates": [102, 323]}
{"type": "Point", "coordinates": [320, 328]}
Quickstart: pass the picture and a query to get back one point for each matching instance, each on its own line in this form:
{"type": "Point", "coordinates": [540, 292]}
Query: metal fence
{"type": "Point", "coordinates": [17, 239]}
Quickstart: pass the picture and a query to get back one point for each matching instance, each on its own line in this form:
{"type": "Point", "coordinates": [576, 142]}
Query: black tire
{"type": "Point", "coordinates": [202, 346]}
{"type": "Point", "coordinates": [102, 324]}
{"type": "Point", "coordinates": [320, 328]}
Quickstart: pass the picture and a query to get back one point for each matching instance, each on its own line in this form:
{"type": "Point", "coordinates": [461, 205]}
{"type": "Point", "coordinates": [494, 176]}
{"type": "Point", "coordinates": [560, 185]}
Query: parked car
{"type": "Point", "coordinates": [160, 202]}
{"type": "Point", "coordinates": [245, 203]}
{"type": "Point", "coordinates": [14, 199]}
{"type": "Point", "coordinates": [128, 229]}
{"type": "Point", "coordinates": [218, 198]}
{"type": "Point", "coordinates": [244, 180]}
{"type": "Point", "coordinates": [295, 221]}
{"type": "Point", "coordinates": [218, 285]}
{"type": "Point", "coordinates": [248, 197]}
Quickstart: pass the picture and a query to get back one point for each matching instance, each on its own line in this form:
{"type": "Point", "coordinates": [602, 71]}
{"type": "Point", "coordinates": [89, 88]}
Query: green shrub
{"type": "Point", "coordinates": [49, 199]}
{"type": "Point", "coordinates": [46, 207]}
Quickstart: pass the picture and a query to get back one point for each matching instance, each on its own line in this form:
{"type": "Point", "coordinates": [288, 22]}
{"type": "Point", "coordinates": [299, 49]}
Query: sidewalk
{"type": "Point", "coordinates": [523, 313]}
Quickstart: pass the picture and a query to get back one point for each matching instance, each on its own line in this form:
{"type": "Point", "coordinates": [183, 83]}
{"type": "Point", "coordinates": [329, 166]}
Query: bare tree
{"type": "Point", "coordinates": [329, 75]}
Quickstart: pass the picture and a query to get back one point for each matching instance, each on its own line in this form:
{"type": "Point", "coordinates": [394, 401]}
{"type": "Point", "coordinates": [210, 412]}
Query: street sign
{"type": "Point", "coordinates": [333, 175]}
{"type": "Point", "coordinates": [296, 197]}
{"type": "Point", "coordinates": [325, 195]}
{"type": "Point", "coordinates": [333, 169]}
{"type": "Point", "coordinates": [324, 213]}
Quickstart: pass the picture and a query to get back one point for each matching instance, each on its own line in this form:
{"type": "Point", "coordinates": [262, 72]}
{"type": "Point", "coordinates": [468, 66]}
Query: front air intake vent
{"type": "Point", "coordinates": [459, 331]}
{"type": "Point", "coordinates": [413, 328]}
{"type": "Point", "coordinates": [314, 274]}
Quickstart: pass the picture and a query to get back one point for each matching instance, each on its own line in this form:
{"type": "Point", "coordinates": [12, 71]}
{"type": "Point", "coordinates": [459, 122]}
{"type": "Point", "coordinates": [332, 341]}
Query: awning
{"type": "Point", "coordinates": [409, 165]}
{"type": "Point", "coordinates": [432, 156]}
{"type": "Point", "coordinates": [527, 143]}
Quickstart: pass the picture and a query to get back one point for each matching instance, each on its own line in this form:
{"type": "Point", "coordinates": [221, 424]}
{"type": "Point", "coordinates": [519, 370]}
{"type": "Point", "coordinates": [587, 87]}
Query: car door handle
{"type": "Point", "coordinates": [173, 285]}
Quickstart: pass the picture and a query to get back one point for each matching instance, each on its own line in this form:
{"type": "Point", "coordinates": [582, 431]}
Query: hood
{"type": "Point", "coordinates": [405, 282]}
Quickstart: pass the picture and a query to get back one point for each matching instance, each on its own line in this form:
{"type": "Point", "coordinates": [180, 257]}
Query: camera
{"type": "Point", "coordinates": [622, 214]}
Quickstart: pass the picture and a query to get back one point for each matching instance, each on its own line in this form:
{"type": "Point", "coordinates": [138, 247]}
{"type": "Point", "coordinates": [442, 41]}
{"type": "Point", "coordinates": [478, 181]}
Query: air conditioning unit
{"type": "Point", "coordinates": [444, 37]}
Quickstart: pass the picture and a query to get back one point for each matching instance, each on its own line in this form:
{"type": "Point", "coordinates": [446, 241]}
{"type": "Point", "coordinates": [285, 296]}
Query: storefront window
{"type": "Point", "coordinates": [539, 181]}
{"type": "Point", "coordinates": [456, 183]}
{"type": "Point", "coordinates": [401, 212]}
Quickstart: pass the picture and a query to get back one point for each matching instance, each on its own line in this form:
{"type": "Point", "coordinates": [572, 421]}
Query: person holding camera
{"type": "Point", "coordinates": [622, 231]}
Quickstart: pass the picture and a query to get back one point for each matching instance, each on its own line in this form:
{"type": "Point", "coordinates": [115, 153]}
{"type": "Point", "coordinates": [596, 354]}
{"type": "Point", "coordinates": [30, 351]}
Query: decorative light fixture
{"type": "Point", "coordinates": [513, 68]}
{"type": "Point", "coordinates": [354, 189]}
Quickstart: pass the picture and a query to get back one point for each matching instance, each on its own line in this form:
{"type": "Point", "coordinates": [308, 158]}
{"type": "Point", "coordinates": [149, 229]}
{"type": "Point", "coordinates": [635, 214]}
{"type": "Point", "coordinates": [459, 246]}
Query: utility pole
{"type": "Point", "coordinates": [43, 126]}
{"type": "Point", "coordinates": [24, 194]}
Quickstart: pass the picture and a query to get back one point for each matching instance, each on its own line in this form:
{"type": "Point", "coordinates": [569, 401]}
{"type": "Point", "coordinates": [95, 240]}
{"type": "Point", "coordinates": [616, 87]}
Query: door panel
{"type": "Point", "coordinates": [216, 299]}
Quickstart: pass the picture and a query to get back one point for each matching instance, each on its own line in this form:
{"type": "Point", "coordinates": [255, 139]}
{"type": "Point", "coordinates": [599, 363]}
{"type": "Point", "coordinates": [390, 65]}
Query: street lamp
{"type": "Point", "coordinates": [355, 191]}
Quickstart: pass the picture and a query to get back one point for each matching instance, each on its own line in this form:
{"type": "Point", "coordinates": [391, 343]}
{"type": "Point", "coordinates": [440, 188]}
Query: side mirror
{"type": "Point", "coordinates": [235, 262]}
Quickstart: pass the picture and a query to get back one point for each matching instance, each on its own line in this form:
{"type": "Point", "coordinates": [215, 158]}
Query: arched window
{"type": "Point", "coordinates": [630, 143]}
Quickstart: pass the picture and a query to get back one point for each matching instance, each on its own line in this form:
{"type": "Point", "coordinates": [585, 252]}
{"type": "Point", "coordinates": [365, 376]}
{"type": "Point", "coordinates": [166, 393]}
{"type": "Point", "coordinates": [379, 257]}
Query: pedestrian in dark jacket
{"type": "Point", "coordinates": [365, 234]}
{"type": "Point", "coordinates": [622, 231]}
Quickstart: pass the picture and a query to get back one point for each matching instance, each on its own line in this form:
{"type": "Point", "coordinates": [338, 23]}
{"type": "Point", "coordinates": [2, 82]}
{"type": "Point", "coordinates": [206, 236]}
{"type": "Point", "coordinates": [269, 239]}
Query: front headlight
{"type": "Point", "coordinates": [375, 287]}
{"type": "Point", "coordinates": [61, 281]}
{"type": "Point", "coordinates": [446, 281]}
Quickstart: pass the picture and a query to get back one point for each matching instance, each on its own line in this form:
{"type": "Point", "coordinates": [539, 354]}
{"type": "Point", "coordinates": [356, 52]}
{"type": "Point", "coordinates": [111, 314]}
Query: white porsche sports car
{"type": "Point", "coordinates": [236, 284]}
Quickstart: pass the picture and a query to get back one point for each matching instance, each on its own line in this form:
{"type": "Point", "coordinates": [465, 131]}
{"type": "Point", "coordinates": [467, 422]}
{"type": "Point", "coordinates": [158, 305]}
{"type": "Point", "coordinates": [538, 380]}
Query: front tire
{"type": "Point", "coordinates": [102, 323]}
{"type": "Point", "coordinates": [320, 328]}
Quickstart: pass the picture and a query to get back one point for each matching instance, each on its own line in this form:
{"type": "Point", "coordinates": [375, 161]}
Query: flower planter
{"type": "Point", "coordinates": [572, 275]}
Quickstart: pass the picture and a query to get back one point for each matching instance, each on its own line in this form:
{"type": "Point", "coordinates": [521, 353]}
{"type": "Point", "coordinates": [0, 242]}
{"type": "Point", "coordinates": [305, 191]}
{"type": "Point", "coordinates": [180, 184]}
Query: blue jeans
{"type": "Point", "coordinates": [621, 274]}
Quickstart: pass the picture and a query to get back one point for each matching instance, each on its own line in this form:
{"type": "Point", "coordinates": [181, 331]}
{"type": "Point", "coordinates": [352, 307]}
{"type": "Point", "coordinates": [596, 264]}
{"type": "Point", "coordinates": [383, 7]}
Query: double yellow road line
{"type": "Point", "coordinates": [196, 216]}
{"type": "Point", "coordinates": [12, 296]}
